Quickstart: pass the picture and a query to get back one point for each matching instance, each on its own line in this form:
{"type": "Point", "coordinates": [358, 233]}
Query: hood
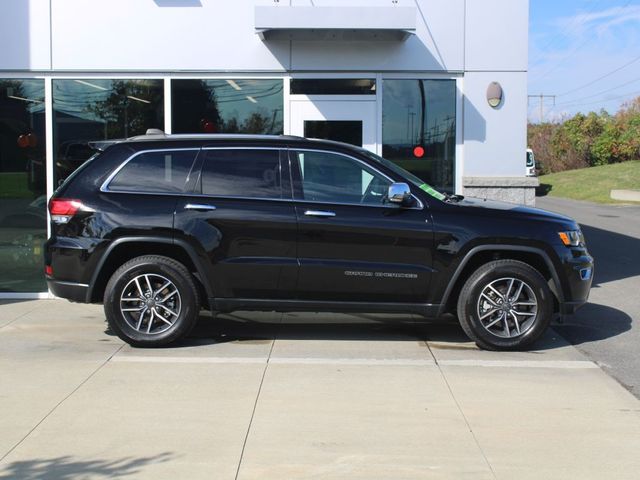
{"type": "Point", "coordinates": [513, 208]}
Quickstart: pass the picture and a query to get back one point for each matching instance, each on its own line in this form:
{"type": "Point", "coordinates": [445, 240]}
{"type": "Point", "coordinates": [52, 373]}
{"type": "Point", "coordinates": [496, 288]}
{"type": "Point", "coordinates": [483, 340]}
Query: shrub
{"type": "Point", "coordinates": [588, 140]}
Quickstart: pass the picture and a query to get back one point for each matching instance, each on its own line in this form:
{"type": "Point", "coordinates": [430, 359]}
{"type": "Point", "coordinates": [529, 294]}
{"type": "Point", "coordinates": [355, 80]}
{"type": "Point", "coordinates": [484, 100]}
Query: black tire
{"type": "Point", "coordinates": [509, 334]}
{"type": "Point", "coordinates": [151, 331]}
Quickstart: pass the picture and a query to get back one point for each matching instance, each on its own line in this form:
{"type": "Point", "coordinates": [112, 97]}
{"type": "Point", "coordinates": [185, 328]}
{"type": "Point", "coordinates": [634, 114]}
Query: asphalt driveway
{"type": "Point", "coordinates": [607, 329]}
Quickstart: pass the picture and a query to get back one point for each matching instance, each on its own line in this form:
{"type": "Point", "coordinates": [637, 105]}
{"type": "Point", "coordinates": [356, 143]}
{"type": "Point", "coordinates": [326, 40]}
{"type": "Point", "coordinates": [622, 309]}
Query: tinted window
{"type": "Point", "coordinates": [91, 110]}
{"type": "Point", "coordinates": [329, 177]}
{"type": "Point", "coordinates": [227, 106]}
{"type": "Point", "coordinates": [242, 173]}
{"type": "Point", "coordinates": [23, 185]}
{"type": "Point", "coordinates": [333, 86]}
{"type": "Point", "coordinates": [347, 131]}
{"type": "Point", "coordinates": [160, 172]}
{"type": "Point", "coordinates": [419, 128]}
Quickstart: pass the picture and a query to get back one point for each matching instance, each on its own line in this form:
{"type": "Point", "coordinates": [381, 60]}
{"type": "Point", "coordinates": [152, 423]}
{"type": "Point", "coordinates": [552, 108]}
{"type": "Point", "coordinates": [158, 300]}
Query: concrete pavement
{"type": "Point", "coordinates": [300, 396]}
{"type": "Point", "coordinates": [607, 328]}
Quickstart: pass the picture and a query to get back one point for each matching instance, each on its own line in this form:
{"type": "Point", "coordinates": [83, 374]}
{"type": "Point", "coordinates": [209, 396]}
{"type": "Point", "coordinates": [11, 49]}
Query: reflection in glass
{"type": "Point", "coordinates": [347, 131]}
{"type": "Point", "coordinates": [227, 106]}
{"type": "Point", "coordinates": [242, 173]}
{"type": "Point", "coordinates": [159, 172]}
{"type": "Point", "coordinates": [419, 128]}
{"type": "Point", "coordinates": [332, 86]}
{"type": "Point", "coordinates": [93, 109]}
{"type": "Point", "coordinates": [23, 220]}
{"type": "Point", "coordinates": [333, 178]}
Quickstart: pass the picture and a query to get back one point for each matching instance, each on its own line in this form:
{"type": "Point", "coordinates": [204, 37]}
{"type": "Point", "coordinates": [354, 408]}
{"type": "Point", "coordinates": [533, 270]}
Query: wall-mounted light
{"type": "Point", "coordinates": [494, 94]}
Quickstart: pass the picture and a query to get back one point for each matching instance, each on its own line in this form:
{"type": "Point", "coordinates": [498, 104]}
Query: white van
{"type": "Point", "coordinates": [530, 164]}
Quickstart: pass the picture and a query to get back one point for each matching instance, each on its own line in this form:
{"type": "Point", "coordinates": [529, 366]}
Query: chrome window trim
{"type": "Point", "coordinates": [244, 148]}
{"type": "Point", "coordinates": [105, 185]}
{"type": "Point", "coordinates": [104, 188]}
{"type": "Point", "coordinates": [228, 197]}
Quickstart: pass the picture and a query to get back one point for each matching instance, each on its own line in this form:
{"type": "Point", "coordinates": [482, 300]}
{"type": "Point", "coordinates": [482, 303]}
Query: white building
{"type": "Point", "coordinates": [407, 79]}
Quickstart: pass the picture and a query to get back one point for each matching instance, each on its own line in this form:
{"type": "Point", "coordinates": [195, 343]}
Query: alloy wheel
{"type": "Point", "coordinates": [507, 307]}
{"type": "Point", "coordinates": [150, 303]}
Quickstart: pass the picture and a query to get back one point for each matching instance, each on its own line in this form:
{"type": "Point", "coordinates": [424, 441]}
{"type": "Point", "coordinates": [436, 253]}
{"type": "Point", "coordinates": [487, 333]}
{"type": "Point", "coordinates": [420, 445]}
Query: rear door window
{"type": "Point", "coordinates": [249, 173]}
{"type": "Point", "coordinates": [165, 171]}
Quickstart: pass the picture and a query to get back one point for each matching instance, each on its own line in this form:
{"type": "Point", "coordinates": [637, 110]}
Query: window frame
{"type": "Point", "coordinates": [296, 179]}
{"type": "Point", "coordinates": [187, 187]}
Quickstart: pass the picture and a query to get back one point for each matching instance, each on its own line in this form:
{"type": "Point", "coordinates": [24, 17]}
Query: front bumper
{"type": "Point", "coordinates": [576, 277]}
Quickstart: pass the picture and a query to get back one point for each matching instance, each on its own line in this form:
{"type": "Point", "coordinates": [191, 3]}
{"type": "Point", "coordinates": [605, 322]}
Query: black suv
{"type": "Point", "coordinates": [158, 226]}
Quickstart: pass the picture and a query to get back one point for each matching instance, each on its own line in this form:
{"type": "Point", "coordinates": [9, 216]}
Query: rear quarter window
{"type": "Point", "coordinates": [164, 171]}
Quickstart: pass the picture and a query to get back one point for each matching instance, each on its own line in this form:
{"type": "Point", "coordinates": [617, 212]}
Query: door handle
{"type": "Point", "coordinates": [319, 213]}
{"type": "Point", "coordinates": [199, 207]}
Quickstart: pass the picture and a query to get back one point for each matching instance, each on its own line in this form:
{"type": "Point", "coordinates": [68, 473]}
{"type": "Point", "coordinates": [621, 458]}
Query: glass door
{"type": "Point", "coordinates": [349, 121]}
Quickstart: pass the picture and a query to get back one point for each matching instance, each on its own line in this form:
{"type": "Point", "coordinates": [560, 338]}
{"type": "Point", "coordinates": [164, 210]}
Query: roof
{"type": "Point", "coordinates": [155, 134]}
{"type": "Point", "coordinates": [159, 137]}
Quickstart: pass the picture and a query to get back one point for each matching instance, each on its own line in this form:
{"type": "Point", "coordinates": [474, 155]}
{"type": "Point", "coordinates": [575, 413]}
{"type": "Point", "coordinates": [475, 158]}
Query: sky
{"type": "Point", "coordinates": [586, 53]}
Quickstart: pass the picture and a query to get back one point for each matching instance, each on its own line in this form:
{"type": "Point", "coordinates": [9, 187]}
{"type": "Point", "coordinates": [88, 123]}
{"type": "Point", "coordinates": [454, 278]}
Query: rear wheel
{"type": "Point", "coordinates": [151, 301]}
{"type": "Point", "coordinates": [505, 305]}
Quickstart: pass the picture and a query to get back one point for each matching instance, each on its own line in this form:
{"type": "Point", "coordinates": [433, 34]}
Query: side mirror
{"type": "Point", "coordinates": [399, 193]}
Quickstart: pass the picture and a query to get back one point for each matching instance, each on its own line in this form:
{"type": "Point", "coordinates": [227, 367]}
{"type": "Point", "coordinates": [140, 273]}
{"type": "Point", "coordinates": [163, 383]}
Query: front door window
{"type": "Point", "coordinates": [333, 178]}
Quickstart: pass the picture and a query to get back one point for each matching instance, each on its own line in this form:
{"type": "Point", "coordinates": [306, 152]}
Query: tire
{"type": "Point", "coordinates": [167, 316]}
{"type": "Point", "coordinates": [482, 308]}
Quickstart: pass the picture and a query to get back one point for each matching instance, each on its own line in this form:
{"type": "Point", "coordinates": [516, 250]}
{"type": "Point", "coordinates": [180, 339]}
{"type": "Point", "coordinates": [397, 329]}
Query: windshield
{"type": "Point", "coordinates": [530, 159]}
{"type": "Point", "coordinates": [406, 175]}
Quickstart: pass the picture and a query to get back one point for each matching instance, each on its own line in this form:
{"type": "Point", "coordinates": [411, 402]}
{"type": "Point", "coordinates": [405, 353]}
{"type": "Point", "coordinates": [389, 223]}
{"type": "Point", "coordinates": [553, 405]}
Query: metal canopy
{"type": "Point", "coordinates": [335, 23]}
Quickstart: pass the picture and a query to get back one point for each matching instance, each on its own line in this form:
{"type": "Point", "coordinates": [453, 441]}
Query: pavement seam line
{"type": "Point", "coordinates": [455, 400]}
{"type": "Point", "coordinates": [21, 316]}
{"type": "Point", "coordinates": [61, 402]}
{"type": "Point", "coordinates": [255, 404]}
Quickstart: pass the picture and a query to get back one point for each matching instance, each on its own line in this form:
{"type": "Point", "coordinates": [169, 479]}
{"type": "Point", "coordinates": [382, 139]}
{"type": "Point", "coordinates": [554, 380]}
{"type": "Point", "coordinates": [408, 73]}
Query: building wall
{"type": "Point", "coordinates": [205, 35]}
{"type": "Point", "coordinates": [25, 35]}
{"type": "Point", "coordinates": [453, 36]}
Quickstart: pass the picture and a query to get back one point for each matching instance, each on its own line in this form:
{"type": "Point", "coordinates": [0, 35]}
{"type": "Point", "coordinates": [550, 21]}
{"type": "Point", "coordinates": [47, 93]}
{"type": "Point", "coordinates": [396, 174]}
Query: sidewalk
{"type": "Point", "coordinates": [303, 396]}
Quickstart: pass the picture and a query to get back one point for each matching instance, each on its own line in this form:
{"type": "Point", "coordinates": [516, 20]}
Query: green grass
{"type": "Point", "coordinates": [593, 184]}
{"type": "Point", "coordinates": [14, 185]}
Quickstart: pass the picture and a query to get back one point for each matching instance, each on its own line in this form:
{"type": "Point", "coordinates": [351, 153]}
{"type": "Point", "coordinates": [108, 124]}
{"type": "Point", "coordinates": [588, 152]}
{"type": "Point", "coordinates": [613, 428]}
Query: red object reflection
{"type": "Point", "coordinates": [207, 126]}
{"type": "Point", "coordinates": [418, 152]}
{"type": "Point", "coordinates": [23, 141]}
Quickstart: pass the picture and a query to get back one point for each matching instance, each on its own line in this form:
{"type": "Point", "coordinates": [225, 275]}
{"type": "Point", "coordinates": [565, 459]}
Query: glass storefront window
{"type": "Point", "coordinates": [227, 106]}
{"type": "Point", "coordinates": [87, 110]}
{"type": "Point", "coordinates": [23, 217]}
{"type": "Point", "coordinates": [332, 86]}
{"type": "Point", "coordinates": [419, 128]}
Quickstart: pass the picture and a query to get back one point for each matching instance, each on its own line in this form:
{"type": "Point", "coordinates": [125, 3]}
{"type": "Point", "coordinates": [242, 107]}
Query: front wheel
{"type": "Point", "coordinates": [151, 301]}
{"type": "Point", "coordinates": [505, 305]}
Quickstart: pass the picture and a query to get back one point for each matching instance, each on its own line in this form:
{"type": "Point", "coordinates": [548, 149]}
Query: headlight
{"type": "Point", "coordinates": [571, 238]}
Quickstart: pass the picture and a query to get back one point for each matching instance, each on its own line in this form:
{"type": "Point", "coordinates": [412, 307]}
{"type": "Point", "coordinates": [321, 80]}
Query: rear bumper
{"type": "Point", "coordinates": [76, 292]}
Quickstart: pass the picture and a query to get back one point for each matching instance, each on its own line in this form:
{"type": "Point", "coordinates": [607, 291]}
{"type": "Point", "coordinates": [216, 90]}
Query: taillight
{"type": "Point", "coordinates": [48, 270]}
{"type": "Point", "coordinates": [63, 209]}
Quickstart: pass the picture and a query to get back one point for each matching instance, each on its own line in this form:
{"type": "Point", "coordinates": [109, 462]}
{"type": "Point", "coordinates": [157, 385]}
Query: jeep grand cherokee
{"type": "Point", "coordinates": [158, 226]}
